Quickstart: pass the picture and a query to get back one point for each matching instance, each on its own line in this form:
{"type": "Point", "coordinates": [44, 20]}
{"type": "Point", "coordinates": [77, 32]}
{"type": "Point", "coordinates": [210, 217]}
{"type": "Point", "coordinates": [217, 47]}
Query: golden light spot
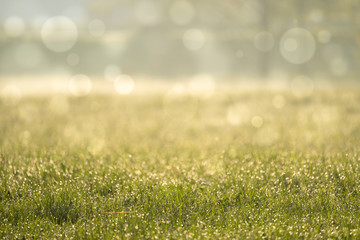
{"type": "Point", "coordinates": [202, 85]}
{"type": "Point", "coordinates": [80, 85]}
{"type": "Point", "coordinates": [124, 84]}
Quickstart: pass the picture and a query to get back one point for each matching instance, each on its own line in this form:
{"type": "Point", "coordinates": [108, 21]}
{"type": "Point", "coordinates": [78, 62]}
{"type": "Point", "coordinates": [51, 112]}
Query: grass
{"type": "Point", "coordinates": [254, 165]}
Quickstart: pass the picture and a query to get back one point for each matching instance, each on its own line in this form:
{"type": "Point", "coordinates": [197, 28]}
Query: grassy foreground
{"type": "Point", "coordinates": [255, 165]}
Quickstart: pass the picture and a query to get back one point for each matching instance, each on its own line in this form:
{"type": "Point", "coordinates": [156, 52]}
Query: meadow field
{"type": "Point", "coordinates": [233, 165]}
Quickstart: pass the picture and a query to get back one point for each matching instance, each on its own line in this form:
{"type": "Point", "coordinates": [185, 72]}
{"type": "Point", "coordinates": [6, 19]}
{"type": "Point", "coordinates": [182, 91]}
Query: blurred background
{"type": "Point", "coordinates": [119, 45]}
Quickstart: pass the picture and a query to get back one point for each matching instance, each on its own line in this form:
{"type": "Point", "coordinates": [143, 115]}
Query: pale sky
{"type": "Point", "coordinates": [31, 9]}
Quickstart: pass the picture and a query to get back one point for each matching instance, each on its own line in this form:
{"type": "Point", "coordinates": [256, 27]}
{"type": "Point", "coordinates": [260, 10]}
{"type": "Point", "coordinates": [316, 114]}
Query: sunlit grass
{"type": "Point", "coordinates": [247, 165]}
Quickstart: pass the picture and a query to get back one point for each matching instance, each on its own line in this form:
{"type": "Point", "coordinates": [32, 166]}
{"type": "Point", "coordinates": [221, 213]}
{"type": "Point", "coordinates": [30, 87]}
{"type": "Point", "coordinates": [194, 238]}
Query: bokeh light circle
{"type": "Point", "coordinates": [238, 113]}
{"type": "Point", "coordinates": [59, 34]}
{"type": "Point", "coordinates": [96, 28]}
{"type": "Point", "coordinates": [194, 39]}
{"type": "Point", "coordinates": [124, 84]}
{"type": "Point", "coordinates": [80, 85]}
{"type": "Point", "coordinates": [297, 45]}
{"type": "Point", "coordinates": [202, 85]}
